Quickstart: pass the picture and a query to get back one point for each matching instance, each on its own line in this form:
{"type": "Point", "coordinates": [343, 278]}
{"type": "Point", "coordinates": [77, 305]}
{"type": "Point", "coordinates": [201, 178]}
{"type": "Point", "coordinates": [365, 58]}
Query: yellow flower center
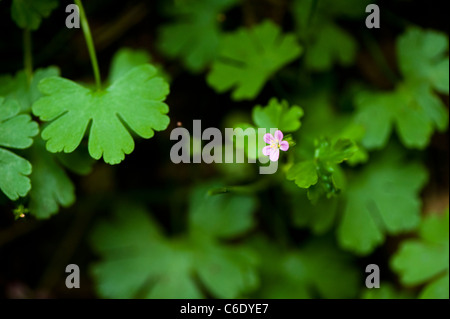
{"type": "Point", "coordinates": [275, 144]}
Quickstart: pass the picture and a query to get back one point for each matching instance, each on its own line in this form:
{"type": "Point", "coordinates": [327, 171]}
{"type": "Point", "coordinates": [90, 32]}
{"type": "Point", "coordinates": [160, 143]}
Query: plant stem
{"type": "Point", "coordinates": [28, 55]}
{"type": "Point", "coordinates": [90, 44]}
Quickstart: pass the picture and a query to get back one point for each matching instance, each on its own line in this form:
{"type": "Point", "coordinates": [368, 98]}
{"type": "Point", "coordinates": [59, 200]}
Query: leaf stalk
{"type": "Point", "coordinates": [90, 44]}
{"type": "Point", "coordinates": [28, 54]}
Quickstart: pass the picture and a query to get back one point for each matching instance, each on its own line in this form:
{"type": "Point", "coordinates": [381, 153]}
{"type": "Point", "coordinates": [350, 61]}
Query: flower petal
{"type": "Point", "coordinates": [275, 155]}
{"type": "Point", "coordinates": [268, 138]}
{"type": "Point", "coordinates": [284, 146]}
{"type": "Point", "coordinates": [278, 136]}
{"type": "Point", "coordinates": [267, 150]}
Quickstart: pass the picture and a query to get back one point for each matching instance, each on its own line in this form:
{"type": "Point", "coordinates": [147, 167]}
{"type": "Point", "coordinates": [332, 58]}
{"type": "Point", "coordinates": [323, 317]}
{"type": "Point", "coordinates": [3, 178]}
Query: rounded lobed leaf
{"type": "Point", "coordinates": [135, 100]}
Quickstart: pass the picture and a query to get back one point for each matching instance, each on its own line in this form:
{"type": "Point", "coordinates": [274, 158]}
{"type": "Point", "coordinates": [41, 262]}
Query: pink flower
{"type": "Point", "coordinates": [276, 144]}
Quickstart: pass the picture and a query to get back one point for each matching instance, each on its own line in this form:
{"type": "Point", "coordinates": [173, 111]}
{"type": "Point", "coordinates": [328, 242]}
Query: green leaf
{"type": "Point", "coordinates": [16, 131]}
{"type": "Point", "coordinates": [340, 151]}
{"type": "Point", "coordinates": [437, 289]}
{"type": "Point", "coordinates": [378, 124]}
{"type": "Point", "coordinates": [221, 215]}
{"type": "Point", "coordinates": [226, 271]}
{"type": "Point", "coordinates": [422, 55]}
{"type": "Point", "coordinates": [331, 45]}
{"type": "Point", "coordinates": [426, 259]}
{"type": "Point", "coordinates": [339, 281]}
{"type": "Point", "coordinates": [275, 115]}
{"type": "Point", "coordinates": [78, 161]}
{"type": "Point", "coordinates": [13, 174]}
{"type": "Point", "coordinates": [138, 261]}
{"type": "Point", "coordinates": [382, 199]}
{"type": "Point", "coordinates": [410, 252]}
{"type": "Point", "coordinates": [323, 120]}
{"type": "Point", "coordinates": [321, 174]}
{"type": "Point", "coordinates": [17, 87]}
{"type": "Point", "coordinates": [304, 174]}
{"type": "Point", "coordinates": [306, 272]}
{"type": "Point", "coordinates": [434, 229]}
{"type": "Point", "coordinates": [414, 110]}
{"type": "Point", "coordinates": [386, 291]}
{"type": "Point", "coordinates": [28, 14]}
{"type": "Point", "coordinates": [135, 100]}
{"type": "Point", "coordinates": [319, 217]}
{"type": "Point", "coordinates": [326, 42]}
{"type": "Point", "coordinates": [126, 59]}
{"type": "Point", "coordinates": [51, 187]}
{"type": "Point", "coordinates": [195, 36]}
{"type": "Point", "coordinates": [355, 133]}
{"type": "Point", "coordinates": [278, 115]}
{"type": "Point", "coordinates": [246, 68]}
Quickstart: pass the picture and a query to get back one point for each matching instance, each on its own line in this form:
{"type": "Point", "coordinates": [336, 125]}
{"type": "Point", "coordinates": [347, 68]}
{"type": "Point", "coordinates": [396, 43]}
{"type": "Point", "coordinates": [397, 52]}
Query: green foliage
{"type": "Point", "coordinates": [135, 99]}
{"type": "Point", "coordinates": [195, 35]}
{"type": "Point", "coordinates": [18, 88]}
{"type": "Point", "coordinates": [386, 291]}
{"type": "Point", "coordinates": [221, 215]}
{"type": "Point", "coordinates": [331, 44]}
{"type": "Point", "coordinates": [126, 59]}
{"type": "Point", "coordinates": [278, 115]}
{"type": "Point", "coordinates": [275, 115]}
{"type": "Point", "coordinates": [413, 108]}
{"type": "Point", "coordinates": [16, 131]}
{"type": "Point", "coordinates": [431, 49]}
{"type": "Point", "coordinates": [305, 272]}
{"type": "Point", "coordinates": [304, 174]}
{"type": "Point", "coordinates": [51, 186]}
{"type": "Point", "coordinates": [319, 216]}
{"type": "Point", "coordinates": [344, 192]}
{"type": "Point", "coordinates": [426, 259]}
{"type": "Point", "coordinates": [28, 14]}
{"type": "Point", "coordinates": [415, 111]}
{"type": "Point", "coordinates": [154, 266]}
{"type": "Point", "coordinates": [321, 174]}
{"type": "Point", "coordinates": [246, 69]}
{"type": "Point", "coordinates": [326, 42]}
{"type": "Point", "coordinates": [323, 121]}
{"type": "Point", "coordinates": [383, 198]}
